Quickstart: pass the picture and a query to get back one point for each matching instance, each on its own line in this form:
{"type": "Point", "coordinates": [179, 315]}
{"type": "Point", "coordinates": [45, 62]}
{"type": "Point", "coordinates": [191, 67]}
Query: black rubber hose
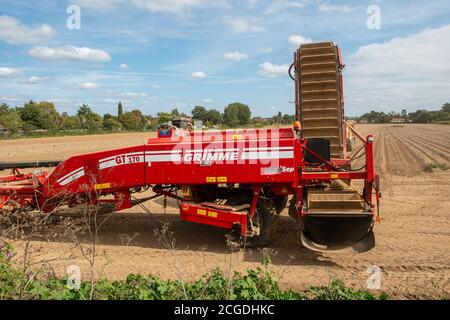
{"type": "Point", "coordinates": [27, 165]}
{"type": "Point", "coordinates": [290, 71]}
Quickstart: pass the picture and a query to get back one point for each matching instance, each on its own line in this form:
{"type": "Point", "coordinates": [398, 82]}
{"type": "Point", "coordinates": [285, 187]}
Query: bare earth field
{"type": "Point", "coordinates": [413, 239]}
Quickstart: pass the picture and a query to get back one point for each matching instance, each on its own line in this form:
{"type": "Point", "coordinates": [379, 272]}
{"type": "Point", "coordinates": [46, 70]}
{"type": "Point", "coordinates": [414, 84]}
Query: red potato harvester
{"type": "Point", "coordinates": [240, 180]}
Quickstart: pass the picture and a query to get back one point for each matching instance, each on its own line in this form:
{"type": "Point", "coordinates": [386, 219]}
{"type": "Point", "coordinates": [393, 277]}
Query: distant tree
{"type": "Point", "coordinates": [164, 117]}
{"type": "Point", "coordinates": [41, 115]}
{"type": "Point", "coordinates": [199, 113]}
{"type": "Point", "coordinates": [214, 117]}
{"type": "Point", "coordinates": [446, 107]}
{"type": "Point", "coordinates": [120, 109]}
{"type": "Point", "coordinates": [88, 119]}
{"type": "Point", "coordinates": [404, 114]}
{"type": "Point", "coordinates": [231, 116]}
{"type": "Point", "coordinates": [111, 123]}
{"type": "Point", "coordinates": [237, 114]}
{"type": "Point", "coordinates": [133, 121]}
{"type": "Point", "coordinates": [288, 119]}
{"type": "Point", "coordinates": [377, 117]}
{"type": "Point", "coordinates": [10, 120]}
{"type": "Point", "coordinates": [175, 113]}
{"type": "Point", "coordinates": [279, 117]}
{"type": "Point", "coordinates": [4, 108]}
{"type": "Point", "coordinates": [72, 123]}
{"type": "Point", "coordinates": [420, 116]}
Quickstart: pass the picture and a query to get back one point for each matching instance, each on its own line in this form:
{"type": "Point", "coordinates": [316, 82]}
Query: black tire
{"type": "Point", "coordinates": [280, 203]}
{"type": "Point", "coordinates": [267, 220]}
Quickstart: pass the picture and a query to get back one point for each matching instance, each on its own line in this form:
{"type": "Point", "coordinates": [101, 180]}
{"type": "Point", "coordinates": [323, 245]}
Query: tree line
{"type": "Point", "coordinates": [44, 117]}
{"type": "Point", "coordinates": [419, 116]}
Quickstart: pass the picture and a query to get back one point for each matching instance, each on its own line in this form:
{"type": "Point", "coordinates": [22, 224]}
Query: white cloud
{"type": "Point", "coordinates": [235, 56]}
{"type": "Point", "coordinates": [198, 75]}
{"type": "Point", "coordinates": [266, 50]}
{"type": "Point", "coordinates": [123, 66]}
{"type": "Point", "coordinates": [243, 25]}
{"type": "Point", "coordinates": [411, 72]}
{"type": "Point", "coordinates": [156, 86]}
{"type": "Point", "coordinates": [133, 94]}
{"type": "Point", "coordinates": [207, 100]}
{"type": "Point", "coordinates": [69, 53]}
{"type": "Point", "coordinates": [298, 40]}
{"type": "Point", "coordinates": [35, 79]}
{"type": "Point", "coordinates": [88, 86]}
{"type": "Point", "coordinates": [324, 7]}
{"type": "Point", "coordinates": [172, 6]}
{"type": "Point", "coordinates": [280, 5]}
{"type": "Point", "coordinates": [268, 69]}
{"type": "Point", "coordinates": [9, 72]}
{"type": "Point", "coordinates": [14, 32]}
{"type": "Point", "coordinates": [103, 5]}
{"type": "Point", "coordinates": [10, 99]}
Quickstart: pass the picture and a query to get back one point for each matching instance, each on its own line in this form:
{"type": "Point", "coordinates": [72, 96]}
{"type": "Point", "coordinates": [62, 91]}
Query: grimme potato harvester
{"type": "Point", "coordinates": [240, 180]}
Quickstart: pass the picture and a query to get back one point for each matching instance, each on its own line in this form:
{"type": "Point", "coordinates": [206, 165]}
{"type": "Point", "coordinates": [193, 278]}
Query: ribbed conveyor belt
{"type": "Point", "coordinates": [320, 97]}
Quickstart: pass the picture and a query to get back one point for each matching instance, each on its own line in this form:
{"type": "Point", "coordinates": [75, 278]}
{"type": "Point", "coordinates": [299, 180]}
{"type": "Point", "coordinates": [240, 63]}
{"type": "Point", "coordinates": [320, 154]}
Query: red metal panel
{"type": "Point", "coordinates": [113, 170]}
{"type": "Point", "coordinates": [240, 156]}
{"type": "Point", "coordinates": [213, 217]}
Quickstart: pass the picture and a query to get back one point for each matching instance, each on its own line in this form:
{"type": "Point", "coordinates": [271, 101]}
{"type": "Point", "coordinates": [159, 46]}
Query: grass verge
{"type": "Point", "coordinates": [254, 284]}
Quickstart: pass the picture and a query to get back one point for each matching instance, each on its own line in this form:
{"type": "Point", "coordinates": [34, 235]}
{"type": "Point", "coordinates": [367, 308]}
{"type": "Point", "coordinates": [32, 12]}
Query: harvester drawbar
{"type": "Point", "coordinates": [240, 180]}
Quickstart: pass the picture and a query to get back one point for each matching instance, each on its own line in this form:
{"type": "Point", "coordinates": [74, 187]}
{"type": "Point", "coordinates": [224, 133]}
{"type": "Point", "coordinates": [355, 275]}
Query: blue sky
{"type": "Point", "coordinates": [158, 54]}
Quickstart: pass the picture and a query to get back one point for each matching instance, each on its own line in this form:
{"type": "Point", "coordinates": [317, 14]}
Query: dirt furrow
{"type": "Point", "coordinates": [421, 154]}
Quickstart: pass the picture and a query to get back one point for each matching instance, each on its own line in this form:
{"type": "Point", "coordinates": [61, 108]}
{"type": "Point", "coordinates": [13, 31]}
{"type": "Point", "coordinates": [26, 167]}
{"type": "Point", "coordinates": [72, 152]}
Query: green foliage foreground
{"type": "Point", "coordinates": [258, 284]}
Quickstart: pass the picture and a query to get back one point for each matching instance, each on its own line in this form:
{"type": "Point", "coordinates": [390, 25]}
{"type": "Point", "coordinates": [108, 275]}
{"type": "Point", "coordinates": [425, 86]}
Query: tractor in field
{"type": "Point", "coordinates": [240, 180]}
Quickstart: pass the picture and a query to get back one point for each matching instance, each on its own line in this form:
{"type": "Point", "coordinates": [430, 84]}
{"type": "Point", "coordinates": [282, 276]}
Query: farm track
{"type": "Point", "coordinates": [412, 240]}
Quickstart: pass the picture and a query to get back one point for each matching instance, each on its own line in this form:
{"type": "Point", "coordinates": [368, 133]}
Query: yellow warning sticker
{"type": "Point", "coordinates": [222, 179]}
{"type": "Point", "coordinates": [237, 137]}
{"type": "Point", "coordinates": [211, 179]}
{"type": "Point", "coordinates": [212, 214]}
{"type": "Point", "coordinates": [334, 176]}
{"type": "Point", "coordinates": [102, 186]}
{"type": "Point", "coordinates": [201, 212]}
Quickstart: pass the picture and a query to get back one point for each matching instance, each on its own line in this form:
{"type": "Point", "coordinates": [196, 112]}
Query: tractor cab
{"type": "Point", "coordinates": [178, 126]}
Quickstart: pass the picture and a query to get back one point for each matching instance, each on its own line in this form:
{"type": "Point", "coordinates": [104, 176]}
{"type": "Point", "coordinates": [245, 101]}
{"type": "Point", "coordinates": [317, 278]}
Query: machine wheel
{"type": "Point", "coordinates": [266, 219]}
{"type": "Point", "coordinates": [280, 203]}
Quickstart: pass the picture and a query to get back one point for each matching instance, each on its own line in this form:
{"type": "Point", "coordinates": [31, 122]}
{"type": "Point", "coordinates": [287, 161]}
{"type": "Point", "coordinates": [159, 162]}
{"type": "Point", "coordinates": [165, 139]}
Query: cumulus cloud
{"type": "Point", "coordinates": [325, 7]}
{"type": "Point", "coordinates": [35, 79]}
{"type": "Point", "coordinates": [14, 32]}
{"type": "Point", "coordinates": [298, 40]}
{"type": "Point", "coordinates": [6, 72]}
{"type": "Point", "coordinates": [244, 25]}
{"type": "Point", "coordinates": [123, 66]}
{"type": "Point", "coordinates": [268, 69]}
{"type": "Point", "coordinates": [198, 75]}
{"type": "Point", "coordinates": [235, 56]}
{"type": "Point", "coordinates": [405, 72]}
{"type": "Point", "coordinates": [88, 86]}
{"type": "Point", "coordinates": [207, 100]}
{"type": "Point", "coordinates": [70, 53]}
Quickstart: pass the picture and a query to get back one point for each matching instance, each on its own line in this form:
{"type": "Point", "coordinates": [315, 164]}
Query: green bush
{"type": "Point", "coordinates": [254, 284]}
{"type": "Point", "coordinates": [429, 167]}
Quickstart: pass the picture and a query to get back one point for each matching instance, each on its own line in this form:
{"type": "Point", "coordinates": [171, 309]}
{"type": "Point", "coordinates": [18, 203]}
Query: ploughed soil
{"type": "Point", "coordinates": [412, 240]}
